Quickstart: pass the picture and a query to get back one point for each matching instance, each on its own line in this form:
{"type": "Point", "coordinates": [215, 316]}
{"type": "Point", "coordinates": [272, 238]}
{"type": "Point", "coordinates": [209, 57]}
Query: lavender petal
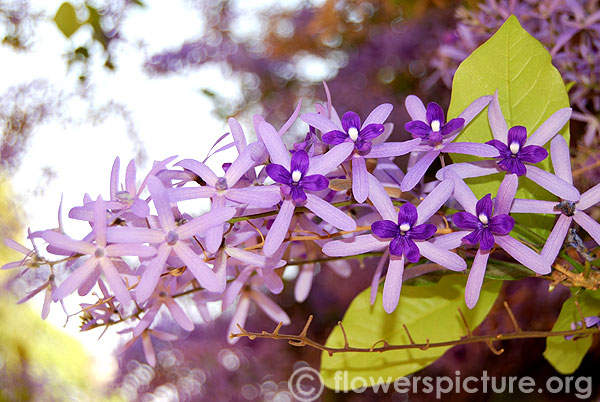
{"type": "Point", "coordinates": [588, 224]}
{"type": "Point", "coordinates": [556, 238]}
{"type": "Point", "coordinates": [280, 227]}
{"type": "Point", "coordinates": [589, 198]}
{"type": "Point", "coordinates": [354, 246]}
{"type": "Point", "coordinates": [506, 194]}
{"type": "Point", "coordinates": [475, 280]}
{"type": "Point", "coordinates": [380, 199]}
{"type": "Point", "coordinates": [552, 183]}
{"type": "Point", "coordinates": [416, 173]}
{"type": "Point", "coordinates": [360, 180]}
{"type": "Point", "coordinates": [471, 148]}
{"type": "Point", "coordinates": [329, 213]}
{"type": "Point", "coordinates": [550, 127]}
{"type": "Point", "coordinates": [524, 254]}
{"type": "Point", "coordinates": [434, 201]}
{"type": "Point", "coordinates": [391, 149]}
{"type": "Point", "coordinates": [277, 149]}
{"type": "Point", "coordinates": [561, 159]}
{"type": "Point", "coordinates": [415, 108]}
{"type": "Point", "coordinates": [496, 119]}
{"type": "Point", "coordinates": [441, 256]}
{"type": "Point", "coordinates": [393, 284]}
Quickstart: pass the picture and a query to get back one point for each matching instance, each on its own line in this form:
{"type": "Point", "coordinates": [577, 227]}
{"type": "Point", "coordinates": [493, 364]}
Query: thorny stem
{"type": "Point", "coordinates": [303, 340]}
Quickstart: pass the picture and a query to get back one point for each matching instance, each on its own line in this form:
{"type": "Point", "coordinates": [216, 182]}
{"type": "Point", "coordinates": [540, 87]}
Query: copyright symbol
{"type": "Point", "coordinates": [305, 384]}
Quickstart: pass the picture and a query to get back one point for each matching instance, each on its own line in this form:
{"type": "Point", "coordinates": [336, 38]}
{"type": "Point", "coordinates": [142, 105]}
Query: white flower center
{"type": "Point", "coordinates": [483, 219]}
{"type": "Point", "coordinates": [514, 148]}
{"type": "Point", "coordinates": [296, 176]}
{"type": "Point", "coordinates": [435, 125]}
{"type": "Point", "coordinates": [405, 227]}
{"type": "Point", "coordinates": [353, 133]}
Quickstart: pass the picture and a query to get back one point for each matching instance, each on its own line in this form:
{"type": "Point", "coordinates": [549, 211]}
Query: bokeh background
{"type": "Point", "coordinates": [82, 82]}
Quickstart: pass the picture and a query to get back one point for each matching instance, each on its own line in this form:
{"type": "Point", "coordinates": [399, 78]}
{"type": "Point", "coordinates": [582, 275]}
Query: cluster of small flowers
{"type": "Point", "coordinates": [333, 193]}
{"type": "Point", "coordinates": [568, 28]}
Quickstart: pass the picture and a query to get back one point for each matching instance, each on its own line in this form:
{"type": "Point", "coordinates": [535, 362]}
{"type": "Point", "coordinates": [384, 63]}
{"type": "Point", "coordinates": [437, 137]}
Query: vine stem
{"type": "Point", "coordinates": [303, 340]}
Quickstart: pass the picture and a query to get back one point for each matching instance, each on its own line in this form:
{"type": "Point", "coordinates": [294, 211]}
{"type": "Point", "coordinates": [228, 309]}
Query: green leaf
{"type": "Point", "coordinates": [566, 355]}
{"type": "Point", "coordinates": [429, 312]}
{"type": "Point", "coordinates": [66, 19]}
{"type": "Point", "coordinates": [530, 89]}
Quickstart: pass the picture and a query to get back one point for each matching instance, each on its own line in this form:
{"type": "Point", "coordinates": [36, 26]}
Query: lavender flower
{"type": "Point", "coordinates": [483, 224]}
{"type": "Point", "coordinates": [349, 130]}
{"type": "Point", "coordinates": [408, 219]}
{"type": "Point", "coordinates": [512, 149]}
{"type": "Point", "coordinates": [296, 181]}
{"type": "Point", "coordinates": [567, 210]}
{"type": "Point", "coordinates": [487, 228]}
{"type": "Point", "coordinates": [403, 232]}
{"type": "Point", "coordinates": [514, 153]}
{"type": "Point", "coordinates": [437, 136]}
{"type": "Point", "coordinates": [171, 238]}
{"type": "Point", "coordinates": [303, 168]}
{"type": "Point", "coordinates": [100, 256]}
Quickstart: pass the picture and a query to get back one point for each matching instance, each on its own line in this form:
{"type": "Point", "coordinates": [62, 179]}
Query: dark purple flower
{"type": "Point", "coordinates": [403, 232]}
{"type": "Point", "coordinates": [351, 125]}
{"type": "Point", "coordinates": [514, 154]}
{"type": "Point", "coordinates": [484, 225]}
{"type": "Point", "coordinates": [295, 181]}
{"type": "Point", "coordinates": [436, 127]}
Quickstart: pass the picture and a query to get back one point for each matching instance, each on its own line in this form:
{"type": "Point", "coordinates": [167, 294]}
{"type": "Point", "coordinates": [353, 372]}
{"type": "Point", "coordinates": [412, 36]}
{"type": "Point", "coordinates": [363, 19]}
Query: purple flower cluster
{"type": "Point", "coordinates": [276, 206]}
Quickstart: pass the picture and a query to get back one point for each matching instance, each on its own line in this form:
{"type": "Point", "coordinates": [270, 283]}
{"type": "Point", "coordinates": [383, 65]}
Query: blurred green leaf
{"type": "Point", "coordinates": [566, 355]}
{"type": "Point", "coordinates": [66, 19]}
{"type": "Point", "coordinates": [429, 312]}
{"type": "Point", "coordinates": [530, 89]}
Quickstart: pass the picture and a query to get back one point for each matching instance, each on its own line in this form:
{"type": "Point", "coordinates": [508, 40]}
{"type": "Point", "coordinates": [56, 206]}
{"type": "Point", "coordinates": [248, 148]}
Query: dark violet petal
{"type": "Point", "coordinates": [533, 154]}
{"type": "Point", "coordinates": [362, 146]}
{"type": "Point", "coordinates": [473, 237]}
{"type": "Point", "coordinates": [385, 229]}
{"type": "Point", "coordinates": [298, 194]}
{"type": "Point", "coordinates": [279, 174]}
{"type": "Point", "coordinates": [334, 137]}
{"type": "Point", "coordinates": [487, 240]}
{"type": "Point", "coordinates": [410, 250]}
{"type": "Point", "coordinates": [435, 112]}
{"type": "Point", "coordinates": [299, 162]}
{"type": "Point", "coordinates": [501, 224]}
{"type": "Point", "coordinates": [396, 246]}
{"type": "Point", "coordinates": [517, 134]}
{"type": "Point", "coordinates": [418, 129]}
{"type": "Point", "coordinates": [315, 182]}
{"type": "Point", "coordinates": [484, 206]}
{"type": "Point", "coordinates": [512, 165]}
{"type": "Point", "coordinates": [407, 214]}
{"type": "Point", "coordinates": [465, 220]}
{"type": "Point", "coordinates": [350, 119]}
{"type": "Point", "coordinates": [500, 146]}
{"type": "Point", "coordinates": [452, 126]}
{"type": "Point", "coordinates": [371, 131]}
{"type": "Point", "coordinates": [422, 232]}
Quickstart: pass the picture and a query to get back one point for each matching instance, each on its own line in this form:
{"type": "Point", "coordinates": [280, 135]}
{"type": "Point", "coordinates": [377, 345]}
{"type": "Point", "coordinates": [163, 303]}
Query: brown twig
{"type": "Point", "coordinates": [302, 339]}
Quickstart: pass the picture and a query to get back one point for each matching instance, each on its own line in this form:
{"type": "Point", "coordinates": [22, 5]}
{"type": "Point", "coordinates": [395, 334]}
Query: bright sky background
{"type": "Point", "coordinates": [170, 115]}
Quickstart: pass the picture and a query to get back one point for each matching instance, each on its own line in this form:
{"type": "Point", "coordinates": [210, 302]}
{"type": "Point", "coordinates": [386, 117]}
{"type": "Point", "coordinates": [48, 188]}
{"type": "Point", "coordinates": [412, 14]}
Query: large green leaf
{"type": "Point", "coordinates": [530, 89]}
{"type": "Point", "coordinates": [66, 19]}
{"type": "Point", "coordinates": [429, 312]}
{"type": "Point", "coordinates": [566, 355]}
